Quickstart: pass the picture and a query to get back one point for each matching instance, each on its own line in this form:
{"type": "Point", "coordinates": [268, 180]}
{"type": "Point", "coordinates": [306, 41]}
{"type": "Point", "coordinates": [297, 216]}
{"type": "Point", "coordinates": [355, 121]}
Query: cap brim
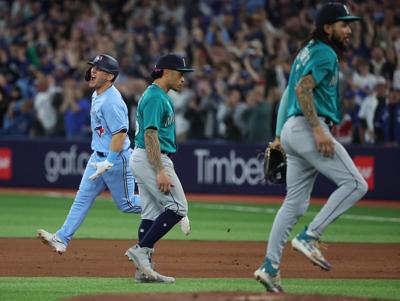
{"type": "Point", "coordinates": [185, 70]}
{"type": "Point", "coordinates": [349, 18]}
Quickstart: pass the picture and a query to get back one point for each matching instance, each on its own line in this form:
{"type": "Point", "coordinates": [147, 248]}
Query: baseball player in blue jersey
{"type": "Point", "coordinates": [313, 106]}
{"type": "Point", "coordinates": [162, 197]}
{"type": "Point", "coordinates": [108, 164]}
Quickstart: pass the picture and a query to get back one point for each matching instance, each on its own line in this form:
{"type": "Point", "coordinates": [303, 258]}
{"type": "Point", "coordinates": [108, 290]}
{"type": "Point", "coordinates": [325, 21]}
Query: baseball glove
{"type": "Point", "coordinates": [275, 165]}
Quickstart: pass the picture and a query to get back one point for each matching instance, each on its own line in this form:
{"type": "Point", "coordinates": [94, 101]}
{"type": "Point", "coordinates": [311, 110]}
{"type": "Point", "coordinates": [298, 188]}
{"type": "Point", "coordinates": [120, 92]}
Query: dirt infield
{"type": "Point", "coordinates": [197, 259]}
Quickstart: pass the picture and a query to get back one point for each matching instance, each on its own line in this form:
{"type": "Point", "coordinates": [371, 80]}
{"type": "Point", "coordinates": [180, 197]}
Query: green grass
{"type": "Point", "coordinates": [56, 288]}
{"type": "Point", "coordinates": [21, 215]}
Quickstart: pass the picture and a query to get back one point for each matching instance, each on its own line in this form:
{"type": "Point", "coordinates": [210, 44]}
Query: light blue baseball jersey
{"type": "Point", "coordinates": [320, 60]}
{"type": "Point", "coordinates": [156, 110]}
{"type": "Point", "coordinates": [109, 115]}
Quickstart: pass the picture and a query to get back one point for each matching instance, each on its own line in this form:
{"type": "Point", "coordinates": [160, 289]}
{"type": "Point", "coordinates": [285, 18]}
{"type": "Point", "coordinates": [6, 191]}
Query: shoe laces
{"type": "Point", "coordinates": [317, 243]}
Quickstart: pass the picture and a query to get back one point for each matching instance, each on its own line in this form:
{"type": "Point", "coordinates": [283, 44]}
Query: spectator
{"type": "Point", "coordinates": [389, 66]}
{"type": "Point", "coordinates": [46, 112]}
{"type": "Point", "coordinates": [229, 116]}
{"type": "Point", "coordinates": [208, 103]}
{"type": "Point", "coordinates": [367, 112]}
{"type": "Point", "coordinates": [257, 117]}
{"type": "Point", "coordinates": [231, 44]}
{"type": "Point", "coordinates": [363, 80]}
{"type": "Point", "coordinates": [4, 102]}
{"type": "Point", "coordinates": [348, 130]}
{"type": "Point", "coordinates": [75, 111]}
{"type": "Point", "coordinates": [393, 118]}
{"type": "Point", "coordinates": [378, 60]}
{"type": "Point", "coordinates": [18, 119]}
{"type": "Point", "coordinates": [381, 112]}
{"type": "Point", "coordinates": [180, 104]}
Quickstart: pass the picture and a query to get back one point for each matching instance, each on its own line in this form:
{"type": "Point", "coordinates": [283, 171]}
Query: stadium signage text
{"type": "Point", "coordinates": [231, 169]}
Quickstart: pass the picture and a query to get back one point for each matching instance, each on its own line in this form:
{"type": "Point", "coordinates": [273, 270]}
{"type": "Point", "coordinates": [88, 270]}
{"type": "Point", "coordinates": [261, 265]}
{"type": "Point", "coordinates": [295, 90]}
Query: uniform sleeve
{"type": "Point", "coordinates": [116, 115]}
{"type": "Point", "coordinates": [319, 65]}
{"type": "Point", "coordinates": [152, 113]}
{"type": "Point", "coordinates": [282, 113]}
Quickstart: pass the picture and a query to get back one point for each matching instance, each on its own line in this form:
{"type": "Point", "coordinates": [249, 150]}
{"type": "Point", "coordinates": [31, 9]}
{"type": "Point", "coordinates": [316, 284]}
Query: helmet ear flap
{"type": "Point", "coordinates": [88, 74]}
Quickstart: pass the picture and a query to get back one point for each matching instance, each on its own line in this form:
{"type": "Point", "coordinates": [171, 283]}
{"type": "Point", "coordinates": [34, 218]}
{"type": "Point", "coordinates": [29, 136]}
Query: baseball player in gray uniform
{"type": "Point", "coordinates": [163, 200]}
{"type": "Point", "coordinates": [108, 165]}
{"type": "Point", "coordinates": [313, 106]}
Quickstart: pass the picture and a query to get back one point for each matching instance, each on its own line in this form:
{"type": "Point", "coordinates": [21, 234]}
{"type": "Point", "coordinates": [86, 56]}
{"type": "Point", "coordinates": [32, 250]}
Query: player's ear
{"type": "Point", "coordinates": [110, 77]}
{"type": "Point", "coordinates": [168, 72]}
{"type": "Point", "coordinates": [328, 28]}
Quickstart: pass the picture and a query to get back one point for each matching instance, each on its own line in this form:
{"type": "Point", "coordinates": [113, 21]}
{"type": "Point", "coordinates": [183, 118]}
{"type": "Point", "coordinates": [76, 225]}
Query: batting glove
{"type": "Point", "coordinates": [101, 167]}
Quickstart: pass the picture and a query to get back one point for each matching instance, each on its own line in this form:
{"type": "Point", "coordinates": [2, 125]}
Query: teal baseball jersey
{"type": "Point", "coordinates": [320, 60]}
{"type": "Point", "coordinates": [156, 110]}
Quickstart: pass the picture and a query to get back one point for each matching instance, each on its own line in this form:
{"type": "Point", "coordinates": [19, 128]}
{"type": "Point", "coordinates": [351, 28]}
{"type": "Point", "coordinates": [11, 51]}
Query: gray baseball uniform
{"type": "Point", "coordinates": [304, 161]}
{"type": "Point", "coordinates": [313, 91]}
{"type": "Point", "coordinates": [153, 201]}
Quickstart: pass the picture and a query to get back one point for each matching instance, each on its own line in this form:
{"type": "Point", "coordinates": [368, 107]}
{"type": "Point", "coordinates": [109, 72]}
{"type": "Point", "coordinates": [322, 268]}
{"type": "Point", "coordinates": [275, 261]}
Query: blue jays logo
{"type": "Point", "coordinates": [100, 130]}
{"type": "Point", "coordinates": [98, 58]}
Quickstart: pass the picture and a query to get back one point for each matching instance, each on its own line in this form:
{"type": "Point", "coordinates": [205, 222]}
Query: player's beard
{"type": "Point", "coordinates": [343, 47]}
{"type": "Point", "coordinates": [176, 87]}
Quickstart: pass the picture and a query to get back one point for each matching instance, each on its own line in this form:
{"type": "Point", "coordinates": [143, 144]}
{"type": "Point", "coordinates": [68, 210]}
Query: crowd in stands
{"type": "Point", "coordinates": [241, 49]}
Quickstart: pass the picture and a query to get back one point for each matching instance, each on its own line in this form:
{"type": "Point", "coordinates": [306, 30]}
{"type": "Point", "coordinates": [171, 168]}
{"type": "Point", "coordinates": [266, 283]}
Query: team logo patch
{"type": "Point", "coordinates": [100, 130]}
{"type": "Point", "coordinates": [98, 58]}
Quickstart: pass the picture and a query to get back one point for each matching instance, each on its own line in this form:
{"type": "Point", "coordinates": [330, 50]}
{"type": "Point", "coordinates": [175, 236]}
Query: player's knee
{"type": "Point", "coordinates": [180, 208]}
{"type": "Point", "coordinates": [133, 206]}
{"type": "Point", "coordinates": [362, 186]}
{"type": "Point", "coordinates": [358, 186]}
{"type": "Point", "coordinates": [183, 211]}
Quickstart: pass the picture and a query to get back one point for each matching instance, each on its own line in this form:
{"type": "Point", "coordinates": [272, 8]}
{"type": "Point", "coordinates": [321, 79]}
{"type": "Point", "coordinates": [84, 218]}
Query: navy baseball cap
{"type": "Point", "coordinates": [172, 62]}
{"type": "Point", "coordinates": [333, 12]}
{"type": "Point", "coordinates": [106, 63]}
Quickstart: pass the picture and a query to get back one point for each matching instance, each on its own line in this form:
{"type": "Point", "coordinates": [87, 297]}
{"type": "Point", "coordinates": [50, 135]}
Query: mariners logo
{"type": "Point", "coordinates": [100, 130]}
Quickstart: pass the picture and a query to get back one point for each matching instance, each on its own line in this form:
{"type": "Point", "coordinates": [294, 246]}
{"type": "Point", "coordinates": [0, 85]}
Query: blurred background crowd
{"type": "Point", "coordinates": [241, 49]}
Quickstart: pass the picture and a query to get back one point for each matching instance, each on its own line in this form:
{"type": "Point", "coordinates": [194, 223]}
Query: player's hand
{"type": "Point", "coordinates": [276, 143]}
{"type": "Point", "coordinates": [101, 167]}
{"type": "Point", "coordinates": [324, 143]}
{"type": "Point", "coordinates": [164, 181]}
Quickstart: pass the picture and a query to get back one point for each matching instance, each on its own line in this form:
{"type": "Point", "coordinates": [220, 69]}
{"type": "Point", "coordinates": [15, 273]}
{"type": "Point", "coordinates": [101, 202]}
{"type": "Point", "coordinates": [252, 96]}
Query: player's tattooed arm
{"type": "Point", "coordinates": [153, 148]}
{"type": "Point", "coordinates": [304, 92]}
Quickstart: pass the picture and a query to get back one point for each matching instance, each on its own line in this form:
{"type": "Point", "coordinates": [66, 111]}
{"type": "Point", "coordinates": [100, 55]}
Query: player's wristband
{"type": "Point", "coordinates": [112, 156]}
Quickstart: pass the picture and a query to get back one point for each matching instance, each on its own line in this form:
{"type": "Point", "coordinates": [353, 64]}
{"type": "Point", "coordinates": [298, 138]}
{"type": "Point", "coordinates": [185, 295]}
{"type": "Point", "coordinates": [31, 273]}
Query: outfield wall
{"type": "Point", "coordinates": [202, 167]}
